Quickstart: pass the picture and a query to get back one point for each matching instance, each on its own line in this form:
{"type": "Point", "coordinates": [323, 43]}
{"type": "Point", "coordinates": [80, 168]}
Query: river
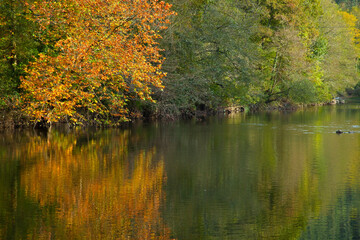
{"type": "Point", "coordinates": [270, 175]}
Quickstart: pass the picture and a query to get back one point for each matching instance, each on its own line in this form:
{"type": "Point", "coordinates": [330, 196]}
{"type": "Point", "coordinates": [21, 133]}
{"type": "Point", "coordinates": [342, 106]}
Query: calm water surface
{"type": "Point", "coordinates": [249, 176]}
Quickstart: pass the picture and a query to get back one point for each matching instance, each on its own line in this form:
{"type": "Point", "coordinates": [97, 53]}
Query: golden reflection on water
{"type": "Point", "coordinates": [98, 190]}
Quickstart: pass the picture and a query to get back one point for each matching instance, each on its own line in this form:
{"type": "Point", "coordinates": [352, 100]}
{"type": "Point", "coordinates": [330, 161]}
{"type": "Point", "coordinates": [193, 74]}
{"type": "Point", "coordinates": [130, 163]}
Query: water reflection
{"type": "Point", "coordinates": [340, 218]}
{"type": "Point", "coordinates": [256, 176]}
{"type": "Point", "coordinates": [82, 186]}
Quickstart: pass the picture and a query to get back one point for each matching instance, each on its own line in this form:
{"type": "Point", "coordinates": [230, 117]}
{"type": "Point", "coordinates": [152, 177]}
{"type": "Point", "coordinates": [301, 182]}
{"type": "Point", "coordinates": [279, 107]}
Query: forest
{"type": "Point", "coordinates": [108, 61]}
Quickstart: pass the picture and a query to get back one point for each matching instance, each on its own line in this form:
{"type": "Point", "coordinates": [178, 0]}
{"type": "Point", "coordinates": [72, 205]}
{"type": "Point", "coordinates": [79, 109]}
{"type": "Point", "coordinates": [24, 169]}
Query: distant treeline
{"type": "Point", "coordinates": [107, 61]}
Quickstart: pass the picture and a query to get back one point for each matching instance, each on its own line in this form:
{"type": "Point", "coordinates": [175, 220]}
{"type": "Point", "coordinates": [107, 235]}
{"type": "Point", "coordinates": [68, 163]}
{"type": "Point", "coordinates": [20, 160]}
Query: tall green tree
{"type": "Point", "coordinates": [339, 64]}
{"type": "Point", "coordinates": [211, 59]}
{"type": "Point", "coordinates": [18, 44]}
{"type": "Point", "coordinates": [291, 28]}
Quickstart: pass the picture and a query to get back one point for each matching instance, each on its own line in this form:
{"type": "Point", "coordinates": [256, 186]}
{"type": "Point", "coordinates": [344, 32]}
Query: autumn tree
{"type": "Point", "coordinates": [104, 53]}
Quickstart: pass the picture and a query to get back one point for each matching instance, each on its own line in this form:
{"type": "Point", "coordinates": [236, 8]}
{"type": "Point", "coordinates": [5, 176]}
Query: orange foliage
{"type": "Point", "coordinates": [100, 53]}
{"type": "Point", "coordinates": [351, 22]}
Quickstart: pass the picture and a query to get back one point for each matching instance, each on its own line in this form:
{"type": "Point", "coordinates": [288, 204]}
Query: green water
{"type": "Point", "coordinates": [248, 176]}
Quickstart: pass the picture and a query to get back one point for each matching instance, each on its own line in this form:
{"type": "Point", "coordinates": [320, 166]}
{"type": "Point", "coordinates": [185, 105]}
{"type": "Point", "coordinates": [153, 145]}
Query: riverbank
{"type": "Point", "coordinates": [14, 118]}
{"type": "Point", "coordinates": [11, 119]}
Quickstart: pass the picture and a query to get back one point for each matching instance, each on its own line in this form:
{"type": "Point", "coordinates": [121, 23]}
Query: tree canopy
{"type": "Point", "coordinates": [106, 60]}
{"type": "Point", "coordinates": [101, 53]}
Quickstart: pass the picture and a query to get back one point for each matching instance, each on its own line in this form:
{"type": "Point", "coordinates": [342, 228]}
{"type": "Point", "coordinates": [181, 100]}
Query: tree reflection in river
{"type": "Point", "coordinates": [262, 176]}
{"type": "Point", "coordinates": [87, 186]}
{"type": "Point", "coordinates": [257, 176]}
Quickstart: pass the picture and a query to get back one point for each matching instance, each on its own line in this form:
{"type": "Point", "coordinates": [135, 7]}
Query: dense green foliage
{"type": "Point", "coordinates": [256, 53]}
{"type": "Point", "coordinates": [18, 44]}
{"type": "Point", "coordinates": [211, 61]}
{"type": "Point", "coordinates": [222, 53]}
